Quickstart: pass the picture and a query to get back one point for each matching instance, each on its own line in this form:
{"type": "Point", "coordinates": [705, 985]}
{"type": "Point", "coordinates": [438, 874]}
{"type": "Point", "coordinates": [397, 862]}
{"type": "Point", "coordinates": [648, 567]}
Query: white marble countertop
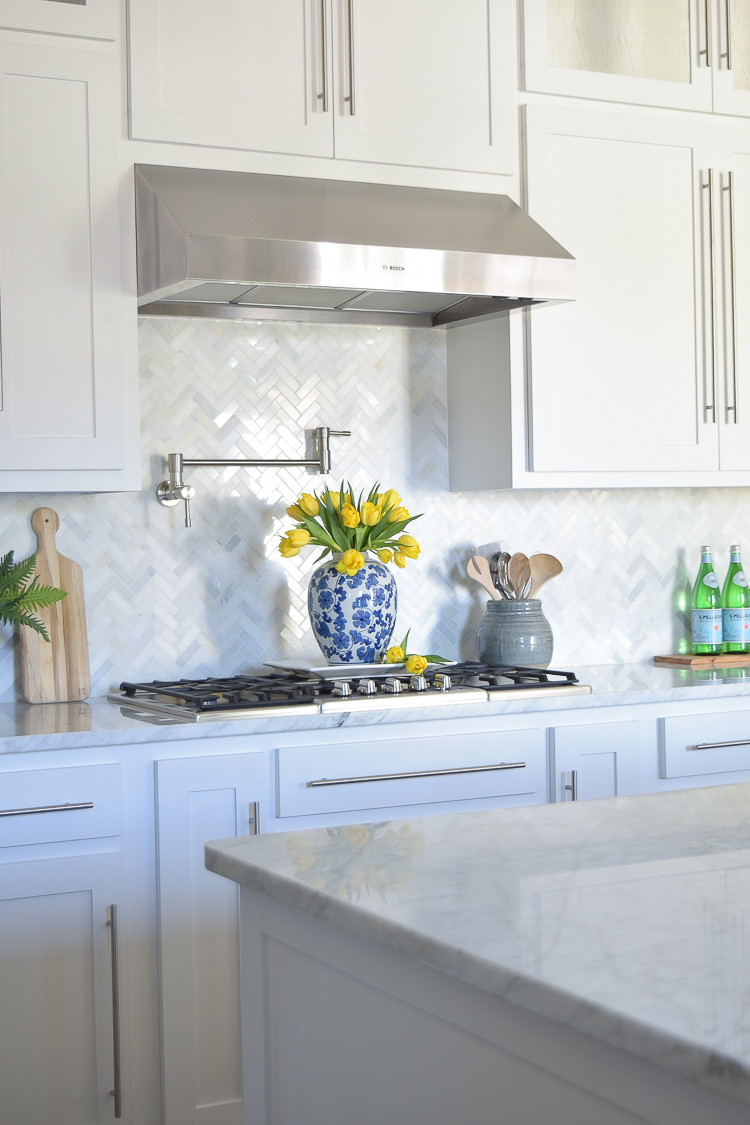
{"type": "Point", "coordinates": [627, 919]}
{"type": "Point", "coordinates": [26, 727]}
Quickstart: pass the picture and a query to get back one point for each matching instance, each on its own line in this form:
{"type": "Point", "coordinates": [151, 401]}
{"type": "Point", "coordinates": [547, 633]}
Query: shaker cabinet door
{"type": "Point", "coordinates": [634, 51]}
{"type": "Point", "coordinates": [595, 760]}
{"type": "Point", "coordinates": [200, 799]}
{"type": "Point", "coordinates": [57, 1050]}
{"type": "Point", "coordinates": [426, 82]}
{"type": "Point", "coordinates": [732, 223]}
{"type": "Point", "coordinates": [68, 409]}
{"type": "Point", "coordinates": [625, 378]}
{"type": "Point", "coordinates": [244, 74]}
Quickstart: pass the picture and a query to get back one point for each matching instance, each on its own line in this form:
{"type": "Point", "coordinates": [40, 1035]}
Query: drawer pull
{"type": "Point", "coordinates": [115, 963]}
{"type": "Point", "coordinates": [719, 745]}
{"type": "Point", "coordinates": [415, 773]}
{"type": "Point", "coordinates": [67, 807]}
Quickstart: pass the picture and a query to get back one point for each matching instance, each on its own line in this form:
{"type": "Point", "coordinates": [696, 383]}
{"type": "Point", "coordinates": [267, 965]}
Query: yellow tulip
{"type": "Point", "coordinates": [295, 513]}
{"type": "Point", "coordinates": [399, 559]}
{"type": "Point", "coordinates": [356, 834]}
{"type": "Point", "coordinates": [308, 504]}
{"type": "Point", "coordinates": [395, 655]}
{"type": "Point", "coordinates": [409, 546]}
{"type": "Point", "coordinates": [416, 665]}
{"type": "Point", "coordinates": [384, 555]}
{"type": "Point", "coordinates": [351, 561]}
{"type": "Point", "coordinates": [370, 514]}
{"type": "Point", "coordinates": [349, 515]}
{"type": "Point", "coordinates": [287, 550]}
{"type": "Point", "coordinates": [389, 499]}
{"type": "Point", "coordinates": [398, 515]}
{"type": "Point", "coordinates": [306, 859]}
{"type": "Point", "coordinates": [299, 537]}
{"type": "Point", "coordinates": [335, 498]}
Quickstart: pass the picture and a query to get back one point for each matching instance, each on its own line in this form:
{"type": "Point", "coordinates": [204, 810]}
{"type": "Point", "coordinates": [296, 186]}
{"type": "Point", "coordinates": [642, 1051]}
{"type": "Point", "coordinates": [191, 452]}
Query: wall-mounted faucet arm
{"type": "Point", "coordinates": [173, 490]}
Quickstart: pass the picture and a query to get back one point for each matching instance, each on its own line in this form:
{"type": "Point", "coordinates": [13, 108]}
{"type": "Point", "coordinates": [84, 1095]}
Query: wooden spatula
{"type": "Point", "coordinates": [543, 567]}
{"type": "Point", "coordinates": [479, 569]}
{"type": "Point", "coordinates": [518, 573]}
{"type": "Point", "coordinates": [57, 672]}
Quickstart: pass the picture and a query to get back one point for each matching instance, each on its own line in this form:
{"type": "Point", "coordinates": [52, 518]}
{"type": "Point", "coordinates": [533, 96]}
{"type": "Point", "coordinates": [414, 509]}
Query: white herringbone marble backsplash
{"type": "Point", "coordinates": [167, 601]}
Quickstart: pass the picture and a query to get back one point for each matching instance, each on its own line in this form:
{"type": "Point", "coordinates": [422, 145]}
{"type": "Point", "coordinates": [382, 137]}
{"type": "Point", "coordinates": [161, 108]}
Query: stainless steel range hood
{"type": "Point", "coordinates": [235, 244]}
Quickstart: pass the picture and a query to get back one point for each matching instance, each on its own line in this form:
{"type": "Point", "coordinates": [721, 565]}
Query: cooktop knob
{"type": "Point", "coordinates": [442, 682]}
{"type": "Point", "coordinates": [367, 687]}
{"type": "Point", "coordinates": [393, 686]}
{"type": "Point", "coordinates": [417, 683]}
{"type": "Point", "coordinates": [342, 687]}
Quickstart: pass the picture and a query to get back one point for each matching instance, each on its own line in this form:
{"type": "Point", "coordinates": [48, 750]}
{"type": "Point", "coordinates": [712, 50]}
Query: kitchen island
{"type": "Point", "coordinates": [582, 964]}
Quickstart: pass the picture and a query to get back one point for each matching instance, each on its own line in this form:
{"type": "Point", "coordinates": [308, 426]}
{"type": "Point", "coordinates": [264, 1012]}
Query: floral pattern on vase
{"type": "Point", "coordinates": [353, 617]}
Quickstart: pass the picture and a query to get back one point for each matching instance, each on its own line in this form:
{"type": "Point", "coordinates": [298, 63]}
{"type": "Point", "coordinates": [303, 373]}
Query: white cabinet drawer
{"type": "Point", "coordinates": [42, 806]}
{"type": "Point", "coordinates": [413, 771]}
{"type": "Point", "coordinates": [703, 744]}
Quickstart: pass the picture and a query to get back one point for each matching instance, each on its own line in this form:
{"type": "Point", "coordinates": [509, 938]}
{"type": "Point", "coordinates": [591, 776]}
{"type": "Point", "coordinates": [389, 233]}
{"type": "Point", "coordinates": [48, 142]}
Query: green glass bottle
{"type": "Point", "coordinates": [707, 613]}
{"type": "Point", "coordinates": [735, 604]}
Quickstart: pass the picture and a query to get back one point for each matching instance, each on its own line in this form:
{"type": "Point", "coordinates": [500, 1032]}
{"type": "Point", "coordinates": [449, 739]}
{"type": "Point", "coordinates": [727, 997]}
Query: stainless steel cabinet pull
{"type": "Point", "coordinates": [69, 806]}
{"type": "Point", "coordinates": [415, 773]}
{"type": "Point", "coordinates": [729, 188]}
{"type": "Point", "coordinates": [728, 32]}
{"type": "Point", "coordinates": [707, 23]}
{"type": "Point", "coordinates": [323, 95]}
{"type": "Point", "coordinates": [350, 40]}
{"type": "Point", "coordinates": [573, 787]}
{"type": "Point", "coordinates": [719, 745]}
{"type": "Point", "coordinates": [253, 817]}
{"type": "Point", "coordinates": [708, 185]}
{"type": "Point", "coordinates": [115, 953]}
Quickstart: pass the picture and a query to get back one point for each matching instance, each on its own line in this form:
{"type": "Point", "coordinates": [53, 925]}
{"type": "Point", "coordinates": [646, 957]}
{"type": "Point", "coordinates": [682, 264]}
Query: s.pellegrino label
{"type": "Point", "coordinates": [707, 607]}
{"type": "Point", "coordinates": [735, 600]}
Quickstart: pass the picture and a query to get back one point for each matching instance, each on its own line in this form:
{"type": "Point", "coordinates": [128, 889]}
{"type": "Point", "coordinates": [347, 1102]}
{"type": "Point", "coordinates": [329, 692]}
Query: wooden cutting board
{"type": "Point", "coordinates": [57, 672]}
{"type": "Point", "coordinates": [705, 659]}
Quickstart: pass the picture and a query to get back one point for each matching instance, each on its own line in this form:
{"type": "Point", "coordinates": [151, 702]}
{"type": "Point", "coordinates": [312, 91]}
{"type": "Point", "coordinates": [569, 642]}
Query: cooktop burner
{"type": "Point", "coordinates": [236, 696]}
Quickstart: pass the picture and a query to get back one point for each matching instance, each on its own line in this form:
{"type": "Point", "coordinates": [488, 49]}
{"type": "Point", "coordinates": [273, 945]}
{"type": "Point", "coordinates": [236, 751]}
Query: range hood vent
{"type": "Point", "coordinates": [254, 247]}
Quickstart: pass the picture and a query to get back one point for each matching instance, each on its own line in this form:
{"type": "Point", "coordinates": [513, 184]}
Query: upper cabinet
{"type": "Point", "coordinates": [686, 54]}
{"type": "Point", "coordinates": [388, 81]}
{"type": "Point", "coordinates": [633, 51]}
{"type": "Point", "coordinates": [68, 407]}
{"type": "Point", "coordinates": [84, 19]}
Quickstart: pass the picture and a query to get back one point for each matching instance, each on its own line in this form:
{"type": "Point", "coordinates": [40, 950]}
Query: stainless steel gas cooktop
{"type": "Point", "coordinates": [300, 693]}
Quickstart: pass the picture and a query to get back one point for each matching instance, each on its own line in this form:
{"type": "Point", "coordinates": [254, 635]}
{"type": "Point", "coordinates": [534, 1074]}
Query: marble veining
{"type": "Point", "coordinates": [25, 727]}
{"type": "Point", "coordinates": [626, 919]}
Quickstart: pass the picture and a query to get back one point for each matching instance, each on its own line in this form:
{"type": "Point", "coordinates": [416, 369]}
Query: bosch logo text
{"type": "Point", "coordinates": [387, 267]}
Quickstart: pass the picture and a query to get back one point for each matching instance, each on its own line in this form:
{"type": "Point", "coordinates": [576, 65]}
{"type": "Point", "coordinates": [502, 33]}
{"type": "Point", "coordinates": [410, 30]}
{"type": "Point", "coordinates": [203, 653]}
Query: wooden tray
{"type": "Point", "coordinates": [705, 659]}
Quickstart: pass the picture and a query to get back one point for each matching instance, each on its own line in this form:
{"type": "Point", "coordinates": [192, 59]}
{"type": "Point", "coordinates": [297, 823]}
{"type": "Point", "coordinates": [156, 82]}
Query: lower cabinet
{"type": "Point", "coordinates": [60, 1048]}
{"type": "Point", "coordinates": [200, 799]}
{"type": "Point", "coordinates": [701, 745]}
{"type": "Point", "coordinates": [595, 760]}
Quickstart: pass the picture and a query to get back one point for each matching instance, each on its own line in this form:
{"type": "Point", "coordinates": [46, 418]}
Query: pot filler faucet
{"type": "Point", "coordinates": [173, 490]}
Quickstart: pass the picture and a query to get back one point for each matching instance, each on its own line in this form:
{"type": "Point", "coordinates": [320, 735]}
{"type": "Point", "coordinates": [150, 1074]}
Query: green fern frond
{"type": "Point", "coordinates": [20, 592]}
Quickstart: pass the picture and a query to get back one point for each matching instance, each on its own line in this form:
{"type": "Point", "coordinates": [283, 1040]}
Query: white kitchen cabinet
{"type": "Point", "coordinates": [57, 1048]}
{"type": "Point", "coordinates": [239, 74]}
{"type": "Point", "coordinates": [418, 82]}
{"type": "Point", "coordinates": [432, 83]}
{"type": "Point", "coordinates": [623, 379]}
{"type": "Point", "coordinates": [703, 745]}
{"type": "Point", "coordinates": [731, 69]}
{"type": "Point", "coordinates": [84, 19]}
{"type": "Point", "coordinates": [200, 799]}
{"type": "Point", "coordinates": [595, 760]}
{"type": "Point", "coordinates": [69, 417]}
{"type": "Point", "coordinates": [732, 223]}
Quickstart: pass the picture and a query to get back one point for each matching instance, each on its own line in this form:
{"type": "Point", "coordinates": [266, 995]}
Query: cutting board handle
{"type": "Point", "coordinates": [46, 524]}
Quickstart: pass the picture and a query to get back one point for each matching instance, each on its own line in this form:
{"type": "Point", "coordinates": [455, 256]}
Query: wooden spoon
{"type": "Point", "coordinates": [543, 567]}
{"type": "Point", "coordinates": [517, 572]}
{"type": "Point", "coordinates": [479, 569]}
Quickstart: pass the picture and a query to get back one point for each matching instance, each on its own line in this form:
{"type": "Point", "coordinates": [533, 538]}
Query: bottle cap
{"type": "Point", "coordinates": [706, 548]}
{"type": "Point", "coordinates": [735, 547]}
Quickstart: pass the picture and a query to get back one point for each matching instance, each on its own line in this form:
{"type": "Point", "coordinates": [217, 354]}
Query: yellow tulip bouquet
{"type": "Point", "coordinates": [332, 521]}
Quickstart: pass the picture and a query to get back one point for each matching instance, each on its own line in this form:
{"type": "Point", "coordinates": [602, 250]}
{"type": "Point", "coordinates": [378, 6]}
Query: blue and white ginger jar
{"type": "Point", "coordinates": [352, 618]}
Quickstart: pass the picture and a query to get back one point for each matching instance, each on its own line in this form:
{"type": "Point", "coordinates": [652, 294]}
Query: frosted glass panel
{"type": "Point", "coordinates": [740, 22]}
{"type": "Point", "coordinates": [636, 38]}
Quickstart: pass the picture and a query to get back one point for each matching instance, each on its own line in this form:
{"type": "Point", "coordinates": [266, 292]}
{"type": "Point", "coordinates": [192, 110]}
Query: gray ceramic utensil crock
{"type": "Point", "coordinates": [515, 632]}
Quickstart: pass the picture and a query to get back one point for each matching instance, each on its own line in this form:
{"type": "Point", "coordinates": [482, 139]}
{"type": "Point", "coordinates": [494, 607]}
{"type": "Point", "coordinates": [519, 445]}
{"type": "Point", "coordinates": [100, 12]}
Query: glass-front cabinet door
{"type": "Point", "coordinates": [634, 51]}
{"type": "Point", "coordinates": [732, 57]}
{"type": "Point", "coordinates": [87, 19]}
